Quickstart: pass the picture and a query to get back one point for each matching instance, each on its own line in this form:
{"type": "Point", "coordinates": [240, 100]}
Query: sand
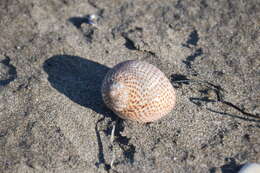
{"type": "Point", "coordinates": [53, 60]}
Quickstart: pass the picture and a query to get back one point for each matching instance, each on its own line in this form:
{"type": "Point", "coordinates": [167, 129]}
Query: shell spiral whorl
{"type": "Point", "coordinates": [138, 91]}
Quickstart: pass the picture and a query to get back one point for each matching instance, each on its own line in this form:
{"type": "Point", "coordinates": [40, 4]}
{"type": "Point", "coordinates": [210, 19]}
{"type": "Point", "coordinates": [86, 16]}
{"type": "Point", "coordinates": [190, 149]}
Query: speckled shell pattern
{"type": "Point", "coordinates": [144, 93]}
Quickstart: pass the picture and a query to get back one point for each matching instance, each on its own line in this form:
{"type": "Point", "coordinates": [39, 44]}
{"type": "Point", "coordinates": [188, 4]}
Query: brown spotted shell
{"type": "Point", "coordinates": [139, 91]}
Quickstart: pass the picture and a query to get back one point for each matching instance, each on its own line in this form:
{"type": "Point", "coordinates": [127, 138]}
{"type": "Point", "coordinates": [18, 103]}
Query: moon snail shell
{"type": "Point", "coordinates": [139, 91]}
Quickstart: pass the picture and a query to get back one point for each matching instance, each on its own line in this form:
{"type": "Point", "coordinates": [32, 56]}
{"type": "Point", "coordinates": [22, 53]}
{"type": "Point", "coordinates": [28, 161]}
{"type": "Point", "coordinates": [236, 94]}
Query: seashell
{"type": "Point", "coordinates": [250, 168]}
{"type": "Point", "coordinates": [138, 91]}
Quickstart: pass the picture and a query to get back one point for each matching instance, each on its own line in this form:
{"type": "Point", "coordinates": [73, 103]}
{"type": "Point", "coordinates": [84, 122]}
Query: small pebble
{"type": "Point", "coordinates": [91, 19]}
{"type": "Point", "coordinates": [250, 168]}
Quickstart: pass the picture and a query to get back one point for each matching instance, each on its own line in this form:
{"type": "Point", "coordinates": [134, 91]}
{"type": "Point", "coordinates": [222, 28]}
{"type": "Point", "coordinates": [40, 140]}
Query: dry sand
{"type": "Point", "coordinates": [52, 62]}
